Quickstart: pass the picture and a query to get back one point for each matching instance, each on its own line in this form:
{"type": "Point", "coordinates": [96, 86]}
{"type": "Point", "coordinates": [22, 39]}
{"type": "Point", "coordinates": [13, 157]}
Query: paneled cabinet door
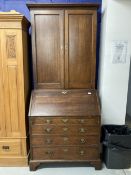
{"type": "Point", "coordinates": [80, 48]}
{"type": "Point", "coordinates": [2, 111]}
{"type": "Point", "coordinates": [48, 45]}
{"type": "Point", "coordinates": [12, 78]}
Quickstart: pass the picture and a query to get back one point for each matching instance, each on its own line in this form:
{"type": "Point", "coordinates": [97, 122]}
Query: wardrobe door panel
{"type": "Point", "coordinates": [48, 49]}
{"type": "Point", "coordinates": [80, 46]}
{"type": "Point", "coordinates": [12, 82]}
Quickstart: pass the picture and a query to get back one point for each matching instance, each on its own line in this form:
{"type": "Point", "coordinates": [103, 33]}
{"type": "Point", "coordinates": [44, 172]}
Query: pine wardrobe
{"type": "Point", "coordinates": [64, 115]}
{"type": "Point", "coordinates": [14, 89]}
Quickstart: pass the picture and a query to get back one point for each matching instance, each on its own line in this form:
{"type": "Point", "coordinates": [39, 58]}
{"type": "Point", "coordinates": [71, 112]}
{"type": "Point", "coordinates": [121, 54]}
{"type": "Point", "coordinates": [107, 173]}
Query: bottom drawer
{"type": "Point", "coordinates": [10, 147]}
{"type": "Point", "coordinates": [65, 153]}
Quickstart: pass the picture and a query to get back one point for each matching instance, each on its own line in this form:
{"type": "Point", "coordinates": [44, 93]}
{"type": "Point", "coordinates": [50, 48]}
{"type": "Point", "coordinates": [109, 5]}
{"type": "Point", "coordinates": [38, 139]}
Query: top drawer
{"type": "Point", "coordinates": [90, 121]}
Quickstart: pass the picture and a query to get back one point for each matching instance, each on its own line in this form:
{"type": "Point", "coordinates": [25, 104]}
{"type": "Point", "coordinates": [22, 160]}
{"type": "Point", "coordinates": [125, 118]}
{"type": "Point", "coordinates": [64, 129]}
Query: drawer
{"type": "Point", "coordinates": [65, 153]}
{"type": "Point", "coordinates": [61, 140]}
{"type": "Point", "coordinates": [65, 129]}
{"type": "Point", "coordinates": [66, 120]}
{"type": "Point", "coordinates": [10, 148]}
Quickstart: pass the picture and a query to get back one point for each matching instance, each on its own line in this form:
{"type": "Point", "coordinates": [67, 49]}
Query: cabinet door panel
{"type": "Point", "coordinates": [80, 38]}
{"type": "Point", "coordinates": [12, 82]}
{"type": "Point", "coordinates": [48, 49]}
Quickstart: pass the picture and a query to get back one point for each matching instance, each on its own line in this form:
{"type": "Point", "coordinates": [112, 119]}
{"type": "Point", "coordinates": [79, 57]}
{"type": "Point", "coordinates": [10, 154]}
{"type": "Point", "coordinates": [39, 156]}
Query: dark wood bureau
{"type": "Point", "coordinates": [64, 111]}
{"type": "Point", "coordinates": [64, 126]}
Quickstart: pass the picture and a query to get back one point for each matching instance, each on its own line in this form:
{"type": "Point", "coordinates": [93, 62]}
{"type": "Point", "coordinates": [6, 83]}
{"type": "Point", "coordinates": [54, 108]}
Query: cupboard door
{"type": "Point", "coordinates": [2, 111]}
{"type": "Point", "coordinates": [80, 48]}
{"type": "Point", "coordinates": [48, 57]}
{"type": "Point", "coordinates": [13, 84]}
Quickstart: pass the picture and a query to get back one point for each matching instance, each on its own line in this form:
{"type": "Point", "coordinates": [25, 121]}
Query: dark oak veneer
{"type": "Point", "coordinates": [64, 113]}
{"type": "Point", "coordinates": [64, 125]}
{"type": "Point", "coordinates": [64, 45]}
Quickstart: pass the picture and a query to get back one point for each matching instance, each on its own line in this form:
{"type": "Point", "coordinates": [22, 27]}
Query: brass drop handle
{"type": "Point", "coordinates": [83, 140]}
{"type": "Point", "coordinates": [48, 121]}
{"type": "Point", "coordinates": [82, 120]}
{"type": "Point", "coordinates": [5, 148]}
{"type": "Point", "coordinates": [64, 92]}
{"type": "Point", "coordinates": [50, 153]}
{"type": "Point", "coordinates": [81, 152]}
{"type": "Point", "coordinates": [65, 129]}
{"type": "Point", "coordinates": [48, 141]}
{"type": "Point", "coordinates": [82, 130]}
{"type": "Point", "coordinates": [48, 130]}
{"type": "Point", "coordinates": [65, 139]}
{"type": "Point", "coordinates": [64, 120]}
{"type": "Point", "coordinates": [65, 150]}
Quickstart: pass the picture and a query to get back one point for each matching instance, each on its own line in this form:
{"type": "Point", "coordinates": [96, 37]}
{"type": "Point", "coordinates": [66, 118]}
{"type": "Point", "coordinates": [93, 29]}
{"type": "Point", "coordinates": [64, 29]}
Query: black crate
{"type": "Point", "coordinates": [116, 141]}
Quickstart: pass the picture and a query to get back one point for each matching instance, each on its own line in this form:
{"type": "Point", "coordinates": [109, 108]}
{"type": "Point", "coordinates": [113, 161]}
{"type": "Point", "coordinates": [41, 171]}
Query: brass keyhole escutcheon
{"type": "Point", "coordinates": [65, 139]}
{"type": "Point", "coordinates": [65, 129]}
{"type": "Point", "coordinates": [83, 140]}
{"type": "Point", "coordinates": [48, 141]}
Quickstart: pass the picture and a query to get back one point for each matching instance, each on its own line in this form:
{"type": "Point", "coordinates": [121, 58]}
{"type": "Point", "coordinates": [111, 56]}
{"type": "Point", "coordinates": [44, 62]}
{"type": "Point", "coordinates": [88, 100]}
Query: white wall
{"type": "Point", "coordinates": [113, 78]}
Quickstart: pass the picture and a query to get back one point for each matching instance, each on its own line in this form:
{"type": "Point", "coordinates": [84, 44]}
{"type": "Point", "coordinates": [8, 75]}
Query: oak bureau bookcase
{"type": "Point", "coordinates": [64, 110]}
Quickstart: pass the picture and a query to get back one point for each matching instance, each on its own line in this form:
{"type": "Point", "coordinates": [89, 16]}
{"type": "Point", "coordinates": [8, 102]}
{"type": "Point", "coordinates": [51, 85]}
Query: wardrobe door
{"type": "Point", "coordinates": [13, 84]}
{"type": "Point", "coordinates": [80, 48]}
{"type": "Point", "coordinates": [48, 45]}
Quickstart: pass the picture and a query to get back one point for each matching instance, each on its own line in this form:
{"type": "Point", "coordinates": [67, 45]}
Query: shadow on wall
{"type": "Point", "coordinates": [128, 108]}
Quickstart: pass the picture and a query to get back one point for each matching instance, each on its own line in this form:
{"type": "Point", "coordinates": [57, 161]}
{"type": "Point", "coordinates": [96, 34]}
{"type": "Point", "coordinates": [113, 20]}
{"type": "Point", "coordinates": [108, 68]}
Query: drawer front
{"type": "Point", "coordinates": [66, 120]}
{"type": "Point", "coordinates": [46, 140]}
{"type": "Point", "coordinates": [10, 148]}
{"type": "Point", "coordinates": [65, 153]}
{"type": "Point", "coordinates": [64, 129]}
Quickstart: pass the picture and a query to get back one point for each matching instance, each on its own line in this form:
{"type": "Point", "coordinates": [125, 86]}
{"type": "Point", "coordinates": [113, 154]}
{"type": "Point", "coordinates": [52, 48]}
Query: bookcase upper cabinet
{"type": "Point", "coordinates": [64, 45]}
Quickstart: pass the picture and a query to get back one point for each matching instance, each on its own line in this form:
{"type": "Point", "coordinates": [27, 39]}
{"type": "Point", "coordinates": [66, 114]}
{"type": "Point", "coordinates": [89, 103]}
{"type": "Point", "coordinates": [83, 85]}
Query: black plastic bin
{"type": "Point", "coordinates": [116, 140]}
